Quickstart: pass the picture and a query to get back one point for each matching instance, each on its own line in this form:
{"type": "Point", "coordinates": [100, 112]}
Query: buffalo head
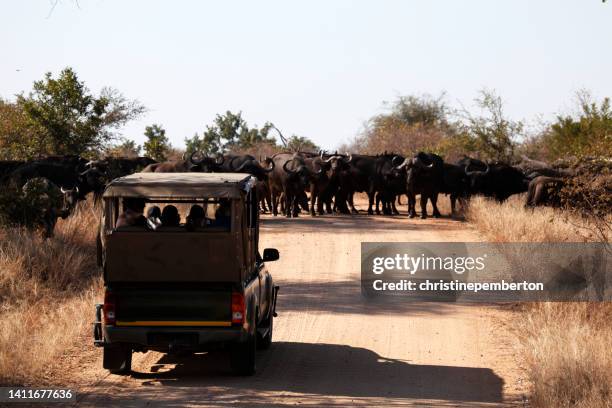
{"type": "Point", "coordinates": [477, 178]}
{"type": "Point", "coordinates": [300, 171]}
{"type": "Point", "coordinates": [70, 200]}
{"type": "Point", "coordinates": [199, 161]}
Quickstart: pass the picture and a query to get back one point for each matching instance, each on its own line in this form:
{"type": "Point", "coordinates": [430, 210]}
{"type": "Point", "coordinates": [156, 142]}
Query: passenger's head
{"type": "Point", "coordinates": [196, 212]}
{"type": "Point", "coordinates": [170, 216]}
{"type": "Point", "coordinates": [153, 212]}
{"type": "Point", "coordinates": [196, 217]}
{"type": "Point", "coordinates": [134, 204]}
{"type": "Point", "coordinates": [224, 209]}
{"type": "Point", "coordinates": [153, 217]}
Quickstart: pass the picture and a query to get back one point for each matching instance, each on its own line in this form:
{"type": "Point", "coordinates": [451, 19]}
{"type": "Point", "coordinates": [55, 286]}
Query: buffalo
{"type": "Point", "coordinates": [364, 173]}
{"type": "Point", "coordinates": [497, 180]}
{"type": "Point", "coordinates": [50, 202]}
{"type": "Point", "coordinates": [60, 174]}
{"type": "Point", "coordinates": [8, 166]}
{"type": "Point", "coordinates": [196, 161]}
{"type": "Point", "coordinates": [246, 163]}
{"type": "Point", "coordinates": [321, 187]}
{"type": "Point", "coordinates": [114, 167]}
{"type": "Point", "coordinates": [544, 190]}
{"type": "Point", "coordinates": [290, 176]}
{"type": "Point", "coordinates": [424, 176]}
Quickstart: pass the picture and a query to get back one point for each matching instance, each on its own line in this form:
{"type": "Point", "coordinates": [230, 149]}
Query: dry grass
{"type": "Point", "coordinates": [567, 352]}
{"type": "Point", "coordinates": [511, 222]}
{"type": "Point", "coordinates": [47, 290]}
{"type": "Point", "coordinates": [565, 346]}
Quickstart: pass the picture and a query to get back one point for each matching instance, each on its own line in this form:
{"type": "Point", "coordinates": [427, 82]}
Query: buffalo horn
{"type": "Point", "coordinates": [286, 169]}
{"type": "Point", "coordinates": [191, 158]}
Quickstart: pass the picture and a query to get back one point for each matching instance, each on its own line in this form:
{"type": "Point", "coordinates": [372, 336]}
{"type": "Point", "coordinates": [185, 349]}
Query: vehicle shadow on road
{"type": "Point", "coordinates": [329, 370]}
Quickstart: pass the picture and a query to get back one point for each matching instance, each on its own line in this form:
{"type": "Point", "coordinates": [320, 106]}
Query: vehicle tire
{"type": "Point", "coordinates": [117, 359]}
{"type": "Point", "coordinates": [242, 356]}
{"type": "Point", "coordinates": [264, 342]}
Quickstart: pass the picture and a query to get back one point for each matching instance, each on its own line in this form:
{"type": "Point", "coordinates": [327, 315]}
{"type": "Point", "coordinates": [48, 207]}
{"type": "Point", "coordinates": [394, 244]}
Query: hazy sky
{"type": "Point", "coordinates": [313, 68]}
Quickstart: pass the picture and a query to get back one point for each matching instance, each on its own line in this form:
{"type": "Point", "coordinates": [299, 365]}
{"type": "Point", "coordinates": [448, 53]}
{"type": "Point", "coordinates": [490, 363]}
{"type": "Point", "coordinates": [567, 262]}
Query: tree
{"type": "Point", "coordinates": [413, 123]}
{"type": "Point", "coordinates": [493, 134]}
{"type": "Point", "coordinates": [195, 144]}
{"type": "Point", "coordinates": [424, 110]}
{"type": "Point", "coordinates": [229, 132]}
{"type": "Point", "coordinates": [157, 145]}
{"type": "Point", "coordinates": [69, 119]}
{"type": "Point", "coordinates": [301, 144]}
{"type": "Point", "coordinates": [18, 137]}
{"type": "Point", "coordinates": [127, 148]}
{"type": "Point", "coordinates": [589, 133]}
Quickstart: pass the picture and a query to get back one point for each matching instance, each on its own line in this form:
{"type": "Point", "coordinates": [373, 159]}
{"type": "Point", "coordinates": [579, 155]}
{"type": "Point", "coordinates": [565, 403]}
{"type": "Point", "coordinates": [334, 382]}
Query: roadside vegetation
{"type": "Point", "coordinates": [47, 289]}
{"type": "Point", "coordinates": [564, 346]}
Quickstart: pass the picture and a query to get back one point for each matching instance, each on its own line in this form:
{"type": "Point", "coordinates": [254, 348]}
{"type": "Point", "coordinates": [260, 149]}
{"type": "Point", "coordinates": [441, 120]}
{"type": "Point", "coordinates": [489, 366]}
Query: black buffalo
{"type": "Point", "coordinates": [8, 166]}
{"type": "Point", "coordinates": [374, 175]}
{"type": "Point", "coordinates": [114, 167]}
{"type": "Point", "coordinates": [321, 187]}
{"type": "Point", "coordinates": [245, 163]}
{"type": "Point", "coordinates": [50, 203]}
{"type": "Point", "coordinates": [290, 177]}
{"type": "Point", "coordinates": [497, 180]}
{"type": "Point", "coordinates": [425, 177]}
{"type": "Point", "coordinates": [196, 161]}
{"type": "Point", "coordinates": [544, 190]}
{"type": "Point", "coordinates": [388, 182]}
{"type": "Point", "coordinates": [62, 175]}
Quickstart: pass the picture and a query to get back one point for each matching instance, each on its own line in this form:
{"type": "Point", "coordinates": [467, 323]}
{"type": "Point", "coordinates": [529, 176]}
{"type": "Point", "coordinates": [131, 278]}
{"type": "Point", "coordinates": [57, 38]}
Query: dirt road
{"type": "Point", "coordinates": [333, 348]}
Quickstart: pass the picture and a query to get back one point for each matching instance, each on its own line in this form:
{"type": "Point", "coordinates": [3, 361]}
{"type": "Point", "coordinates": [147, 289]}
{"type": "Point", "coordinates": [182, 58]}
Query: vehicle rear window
{"type": "Point", "coordinates": [202, 215]}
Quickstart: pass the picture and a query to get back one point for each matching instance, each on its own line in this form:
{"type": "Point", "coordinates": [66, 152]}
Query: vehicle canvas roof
{"type": "Point", "coordinates": [175, 185]}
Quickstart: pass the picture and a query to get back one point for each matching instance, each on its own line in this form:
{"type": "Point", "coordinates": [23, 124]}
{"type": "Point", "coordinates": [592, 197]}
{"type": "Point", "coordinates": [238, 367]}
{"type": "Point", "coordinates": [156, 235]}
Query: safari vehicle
{"type": "Point", "coordinates": [176, 288]}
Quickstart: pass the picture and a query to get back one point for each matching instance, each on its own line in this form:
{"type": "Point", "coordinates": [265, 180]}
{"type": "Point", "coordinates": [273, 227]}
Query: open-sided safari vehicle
{"type": "Point", "coordinates": [187, 275]}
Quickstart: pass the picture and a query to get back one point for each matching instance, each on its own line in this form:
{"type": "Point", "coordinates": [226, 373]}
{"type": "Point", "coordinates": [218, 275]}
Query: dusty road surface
{"type": "Point", "coordinates": [333, 348]}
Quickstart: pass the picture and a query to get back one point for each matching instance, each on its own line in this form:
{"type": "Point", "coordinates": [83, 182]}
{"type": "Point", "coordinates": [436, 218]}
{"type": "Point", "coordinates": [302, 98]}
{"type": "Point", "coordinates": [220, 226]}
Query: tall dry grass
{"type": "Point", "coordinates": [47, 289]}
{"type": "Point", "coordinates": [566, 347]}
{"type": "Point", "coordinates": [511, 222]}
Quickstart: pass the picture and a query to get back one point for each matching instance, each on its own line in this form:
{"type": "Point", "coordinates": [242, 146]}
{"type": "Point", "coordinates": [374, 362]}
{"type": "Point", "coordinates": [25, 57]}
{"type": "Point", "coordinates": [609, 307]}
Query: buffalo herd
{"type": "Point", "coordinates": [318, 183]}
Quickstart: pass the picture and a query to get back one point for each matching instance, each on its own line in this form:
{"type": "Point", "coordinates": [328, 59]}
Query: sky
{"type": "Point", "coordinates": [314, 68]}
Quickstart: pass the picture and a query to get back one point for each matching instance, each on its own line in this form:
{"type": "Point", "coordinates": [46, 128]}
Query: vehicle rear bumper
{"type": "Point", "coordinates": [173, 337]}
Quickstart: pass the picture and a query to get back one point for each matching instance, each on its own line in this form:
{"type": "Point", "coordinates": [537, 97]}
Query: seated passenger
{"type": "Point", "coordinates": [196, 218]}
{"type": "Point", "coordinates": [154, 217]}
{"type": "Point", "coordinates": [132, 213]}
{"type": "Point", "coordinates": [223, 215]}
{"type": "Point", "coordinates": [170, 217]}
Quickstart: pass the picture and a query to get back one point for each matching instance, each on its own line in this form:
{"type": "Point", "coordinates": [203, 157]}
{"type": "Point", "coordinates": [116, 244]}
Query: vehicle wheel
{"type": "Point", "coordinates": [264, 342]}
{"type": "Point", "coordinates": [117, 359]}
{"type": "Point", "coordinates": [242, 356]}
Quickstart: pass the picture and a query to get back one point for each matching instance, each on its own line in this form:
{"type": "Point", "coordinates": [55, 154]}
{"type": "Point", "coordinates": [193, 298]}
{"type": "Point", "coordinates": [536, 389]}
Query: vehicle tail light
{"type": "Point", "coordinates": [109, 308]}
{"type": "Point", "coordinates": [238, 309]}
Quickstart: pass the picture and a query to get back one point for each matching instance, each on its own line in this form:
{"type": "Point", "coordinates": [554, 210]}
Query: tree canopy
{"type": "Point", "coordinates": [157, 146]}
{"type": "Point", "coordinates": [589, 133]}
{"type": "Point", "coordinates": [229, 132]}
{"type": "Point", "coordinates": [127, 148]}
{"type": "Point", "coordinates": [62, 116]}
